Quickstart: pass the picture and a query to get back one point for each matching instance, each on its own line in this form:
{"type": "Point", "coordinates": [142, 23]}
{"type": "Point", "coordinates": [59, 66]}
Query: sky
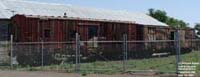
{"type": "Point", "coordinates": [187, 10]}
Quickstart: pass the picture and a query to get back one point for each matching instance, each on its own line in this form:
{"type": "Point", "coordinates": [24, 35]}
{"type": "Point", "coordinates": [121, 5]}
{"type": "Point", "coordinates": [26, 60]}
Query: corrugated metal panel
{"type": "Point", "coordinates": [46, 9]}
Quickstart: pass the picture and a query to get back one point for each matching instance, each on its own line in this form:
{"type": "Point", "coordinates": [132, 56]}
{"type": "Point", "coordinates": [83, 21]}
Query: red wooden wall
{"type": "Point", "coordinates": [31, 29]}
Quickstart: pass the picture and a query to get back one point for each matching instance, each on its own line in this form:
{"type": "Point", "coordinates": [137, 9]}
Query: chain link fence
{"type": "Point", "coordinates": [95, 58]}
{"type": "Point", "coordinates": [4, 53]}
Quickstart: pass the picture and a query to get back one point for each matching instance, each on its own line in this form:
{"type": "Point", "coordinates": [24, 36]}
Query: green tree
{"type": "Point", "coordinates": [162, 17]}
{"type": "Point", "coordinates": [158, 14]}
{"type": "Point", "coordinates": [197, 27]}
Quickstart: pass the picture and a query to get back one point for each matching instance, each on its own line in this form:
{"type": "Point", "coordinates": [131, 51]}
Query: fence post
{"type": "Point", "coordinates": [193, 38]}
{"type": "Point", "coordinates": [125, 56]}
{"type": "Point", "coordinates": [42, 53]}
{"type": "Point", "coordinates": [178, 50]}
{"type": "Point", "coordinates": [77, 53]}
{"type": "Point", "coordinates": [11, 51]}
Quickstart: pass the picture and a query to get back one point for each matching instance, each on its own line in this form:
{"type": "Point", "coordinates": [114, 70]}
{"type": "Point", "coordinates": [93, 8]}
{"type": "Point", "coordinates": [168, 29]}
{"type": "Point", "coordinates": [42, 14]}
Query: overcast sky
{"type": "Point", "coordinates": [187, 10]}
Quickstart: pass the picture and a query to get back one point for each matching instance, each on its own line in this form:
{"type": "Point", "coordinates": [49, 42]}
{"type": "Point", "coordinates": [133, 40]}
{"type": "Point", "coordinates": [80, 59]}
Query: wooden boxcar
{"type": "Point", "coordinates": [29, 28]}
{"type": "Point", "coordinates": [58, 29]}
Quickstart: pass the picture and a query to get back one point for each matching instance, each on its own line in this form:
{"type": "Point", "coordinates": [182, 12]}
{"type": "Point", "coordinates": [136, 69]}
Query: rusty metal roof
{"type": "Point", "coordinates": [50, 9]}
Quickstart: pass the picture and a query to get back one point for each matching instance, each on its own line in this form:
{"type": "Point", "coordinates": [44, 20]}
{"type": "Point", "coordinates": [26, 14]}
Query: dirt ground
{"type": "Point", "coordinates": [53, 74]}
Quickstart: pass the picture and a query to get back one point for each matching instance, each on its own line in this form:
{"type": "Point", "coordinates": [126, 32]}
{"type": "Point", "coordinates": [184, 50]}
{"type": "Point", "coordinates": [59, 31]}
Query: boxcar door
{"type": "Point", "coordinates": [89, 31]}
{"type": "Point", "coordinates": [82, 31]}
{"type": "Point", "coordinates": [92, 32]}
